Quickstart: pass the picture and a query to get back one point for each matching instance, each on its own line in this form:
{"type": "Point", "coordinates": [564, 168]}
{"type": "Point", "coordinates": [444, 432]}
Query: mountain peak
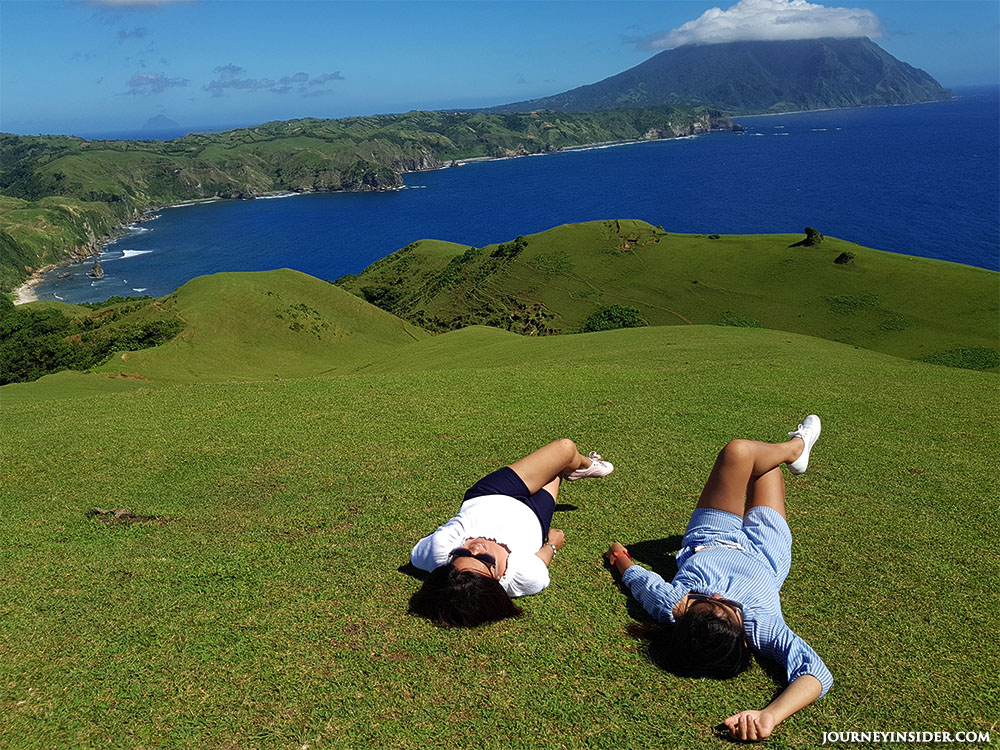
{"type": "Point", "coordinates": [755, 76]}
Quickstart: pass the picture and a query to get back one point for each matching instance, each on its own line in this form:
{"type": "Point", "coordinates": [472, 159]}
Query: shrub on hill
{"type": "Point", "coordinates": [813, 238]}
{"type": "Point", "coordinates": [969, 358]}
{"type": "Point", "coordinates": [739, 321]}
{"type": "Point", "coordinates": [610, 317]}
{"type": "Point", "coordinates": [37, 342]}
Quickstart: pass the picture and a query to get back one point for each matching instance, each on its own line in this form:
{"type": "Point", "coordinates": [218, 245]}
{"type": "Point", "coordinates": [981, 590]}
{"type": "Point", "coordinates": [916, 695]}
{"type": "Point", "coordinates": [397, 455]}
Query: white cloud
{"type": "Point", "coordinates": [151, 83]}
{"type": "Point", "coordinates": [232, 77]}
{"type": "Point", "coordinates": [769, 20]}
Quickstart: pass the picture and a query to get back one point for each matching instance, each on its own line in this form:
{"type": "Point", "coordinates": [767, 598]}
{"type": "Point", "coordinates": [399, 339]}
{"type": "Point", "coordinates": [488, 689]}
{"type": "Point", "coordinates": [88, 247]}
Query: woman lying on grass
{"type": "Point", "coordinates": [500, 544]}
{"type": "Point", "coordinates": [734, 557]}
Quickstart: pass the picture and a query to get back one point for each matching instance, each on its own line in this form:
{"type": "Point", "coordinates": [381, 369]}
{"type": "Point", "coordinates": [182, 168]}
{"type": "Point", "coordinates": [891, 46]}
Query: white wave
{"type": "Point", "coordinates": [140, 289]}
{"type": "Point", "coordinates": [778, 127]}
{"type": "Point", "coordinates": [185, 204]}
{"type": "Point", "coordinates": [780, 133]}
{"type": "Point", "coordinates": [820, 130]}
{"type": "Point", "coordinates": [416, 187]}
{"type": "Point", "coordinates": [756, 134]}
{"type": "Point", "coordinates": [57, 296]}
{"type": "Point", "coordinates": [277, 195]}
{"type": "Point", "coordinates": [133, 253]}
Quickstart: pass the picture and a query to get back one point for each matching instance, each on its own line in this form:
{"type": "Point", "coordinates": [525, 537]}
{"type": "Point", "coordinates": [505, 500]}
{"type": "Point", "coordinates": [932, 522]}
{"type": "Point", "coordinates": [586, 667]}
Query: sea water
{"type": "Point", "coordinates": [919, 180]}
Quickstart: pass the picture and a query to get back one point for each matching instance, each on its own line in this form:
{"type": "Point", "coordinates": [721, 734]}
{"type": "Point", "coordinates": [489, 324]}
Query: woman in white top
{"type": "Point", "coordinates": [501, 542]}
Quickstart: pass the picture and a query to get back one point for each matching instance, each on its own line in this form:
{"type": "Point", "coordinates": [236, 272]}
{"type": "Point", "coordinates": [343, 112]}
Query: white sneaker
{"type": "Point", "coordinates": [809, 432]}
{"type": "Point", "coordinates": [598, 468]}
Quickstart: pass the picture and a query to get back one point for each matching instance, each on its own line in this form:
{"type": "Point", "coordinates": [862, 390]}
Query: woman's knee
{"type": "Point", "coordinates": [566, 446]}
{"type": "Point", "coordinates": [737, 451]}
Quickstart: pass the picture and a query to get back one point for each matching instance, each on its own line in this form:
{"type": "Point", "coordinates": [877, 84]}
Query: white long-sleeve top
{"type": "Point", "coordinates": [503, 519]}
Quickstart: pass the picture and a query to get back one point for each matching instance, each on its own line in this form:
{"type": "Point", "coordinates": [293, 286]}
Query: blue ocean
{"type": "Point", "coordinates": [918, 180]}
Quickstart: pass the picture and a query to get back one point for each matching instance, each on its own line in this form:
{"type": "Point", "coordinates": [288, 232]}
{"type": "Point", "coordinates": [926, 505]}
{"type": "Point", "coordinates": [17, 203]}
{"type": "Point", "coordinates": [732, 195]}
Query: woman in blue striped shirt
{"type": "Point", "coordinates": [724, 599]}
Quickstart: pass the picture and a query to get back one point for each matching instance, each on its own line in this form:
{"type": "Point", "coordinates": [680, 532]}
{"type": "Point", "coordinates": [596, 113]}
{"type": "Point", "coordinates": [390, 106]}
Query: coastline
{"type": "Point", "coordinates": [29, 289]}
{"type": "Point", "coordinates": [26, 292]}
{"type": "Point", "coordinates": [837, 109]}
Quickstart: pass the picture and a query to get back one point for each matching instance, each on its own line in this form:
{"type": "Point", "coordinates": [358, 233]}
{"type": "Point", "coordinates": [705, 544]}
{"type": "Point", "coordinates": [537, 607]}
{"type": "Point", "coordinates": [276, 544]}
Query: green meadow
{"type": "Point", "coordinates": [283, 453]}
{"type": "Point", "coordinates": [552, 281]}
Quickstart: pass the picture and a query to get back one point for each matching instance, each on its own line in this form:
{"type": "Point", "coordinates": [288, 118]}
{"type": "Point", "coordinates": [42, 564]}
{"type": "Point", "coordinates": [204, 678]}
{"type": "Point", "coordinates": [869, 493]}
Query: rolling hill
{"type": "Point", "coordinates": [552, 281]}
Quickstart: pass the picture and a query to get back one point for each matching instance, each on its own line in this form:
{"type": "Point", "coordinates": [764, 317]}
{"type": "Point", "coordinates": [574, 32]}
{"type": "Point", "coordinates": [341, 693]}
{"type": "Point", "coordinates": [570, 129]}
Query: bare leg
{"type": "Point", "coordinates": [540, 468]}
{"type": "Point", "coordinates": [738, 465]}
{"type": "Point", "coordinates": [553, 488]}
{"type": "Point", "coordinates": [767, 490]}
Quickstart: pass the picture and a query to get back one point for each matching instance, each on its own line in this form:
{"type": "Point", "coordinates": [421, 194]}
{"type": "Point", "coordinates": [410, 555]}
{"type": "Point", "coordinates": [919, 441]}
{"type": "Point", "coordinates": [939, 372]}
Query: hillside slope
{"type": "Point", "coordinates": [261, 596]}
{"type": "Point", "coordinates": [742, 77]}
{"type": "Point", "coordinates": [273, 324]}
{"type": "Point", "coordinates": [552, 281]}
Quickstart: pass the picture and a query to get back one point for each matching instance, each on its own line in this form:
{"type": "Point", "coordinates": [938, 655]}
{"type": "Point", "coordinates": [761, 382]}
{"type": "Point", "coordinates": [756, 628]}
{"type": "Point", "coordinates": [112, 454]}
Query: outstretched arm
{"type": "Point", "coordinates": [758, 725]}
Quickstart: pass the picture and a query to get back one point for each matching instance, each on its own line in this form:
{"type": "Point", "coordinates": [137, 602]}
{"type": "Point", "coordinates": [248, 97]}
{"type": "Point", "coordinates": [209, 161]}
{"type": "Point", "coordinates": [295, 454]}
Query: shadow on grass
{"type": "Point", "coordinates": [411, 570]}
{"type": "Point", "coordinates": [563, 507]}
{"type": "Point", "coordinates": [659, 555]}
{"type": "Point", "coordinates": [776, 673]}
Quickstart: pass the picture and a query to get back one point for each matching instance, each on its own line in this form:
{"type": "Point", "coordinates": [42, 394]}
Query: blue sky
{"type": "Point", "coordinates": [101, 67]}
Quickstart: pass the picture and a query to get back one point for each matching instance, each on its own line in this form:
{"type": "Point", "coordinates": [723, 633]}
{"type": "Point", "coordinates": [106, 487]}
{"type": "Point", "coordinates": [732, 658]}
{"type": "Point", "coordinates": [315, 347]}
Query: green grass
{"type": "Point", "coordinates": [906, 306]}
{"type": "Point", "coordinates": [265, 607]}
{"type": "Point", "coordinates": [258, 326]}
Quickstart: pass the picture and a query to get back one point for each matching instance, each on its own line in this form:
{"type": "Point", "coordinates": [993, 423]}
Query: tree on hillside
{"type": "Point", "coordinates": [611, 317]}
{"type": "Point", "coordinates": [813, 238]}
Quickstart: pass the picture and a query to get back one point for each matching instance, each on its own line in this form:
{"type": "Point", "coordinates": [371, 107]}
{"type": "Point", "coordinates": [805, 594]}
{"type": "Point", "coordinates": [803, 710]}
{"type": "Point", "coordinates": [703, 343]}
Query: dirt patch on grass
{"type": "Point", "coordinates": [123, 516]}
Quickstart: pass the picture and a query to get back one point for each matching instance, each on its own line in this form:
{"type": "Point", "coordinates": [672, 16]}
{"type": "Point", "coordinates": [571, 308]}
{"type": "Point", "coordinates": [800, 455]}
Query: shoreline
{"type": "Point", "coordinates": [26, 292]}
{"type": "Point", "coordinates": [837, 109]}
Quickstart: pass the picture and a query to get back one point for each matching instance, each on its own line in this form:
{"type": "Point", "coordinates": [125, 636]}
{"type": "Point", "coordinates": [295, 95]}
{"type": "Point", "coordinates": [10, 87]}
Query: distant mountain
{"type": "Point", "coordinates": [743, 77]}
{"type": "Point", "coordinates": [161, 122]}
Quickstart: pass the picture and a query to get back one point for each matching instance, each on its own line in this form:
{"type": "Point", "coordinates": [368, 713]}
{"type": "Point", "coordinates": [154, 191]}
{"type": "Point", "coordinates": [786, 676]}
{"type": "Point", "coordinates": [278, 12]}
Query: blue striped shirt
{"type": "Point", "coordinates": [743, 577]}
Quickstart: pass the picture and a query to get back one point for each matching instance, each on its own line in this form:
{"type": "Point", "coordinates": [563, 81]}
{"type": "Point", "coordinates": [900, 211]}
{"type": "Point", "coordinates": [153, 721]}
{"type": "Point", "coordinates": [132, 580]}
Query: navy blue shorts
{"type": "Point", "coordinates": [505, 481]}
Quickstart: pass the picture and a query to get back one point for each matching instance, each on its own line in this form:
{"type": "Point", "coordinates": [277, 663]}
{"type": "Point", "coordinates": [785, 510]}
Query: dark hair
{"type": "Point", "coordinates": [698, 644]}
{"type": "Point", "coordinates": [461, 598]}
{"type": "Point", "coordinates": [705, 645]}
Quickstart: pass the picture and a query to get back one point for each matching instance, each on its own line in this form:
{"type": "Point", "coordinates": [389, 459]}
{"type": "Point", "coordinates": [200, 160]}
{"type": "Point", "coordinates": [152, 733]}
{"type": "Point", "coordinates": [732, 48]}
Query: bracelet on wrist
{"type": "Point", "coordinates": [622, 551]}
{"type": "Point", "coordinates": [555, 551]}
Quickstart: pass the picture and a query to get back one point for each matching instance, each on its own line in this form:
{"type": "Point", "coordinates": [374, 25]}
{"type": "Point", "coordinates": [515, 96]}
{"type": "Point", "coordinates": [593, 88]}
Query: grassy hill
{"type": "Point", "coordinates": [275, 324]}
{"type": "Point", "coordinates": [212, 328]}
{"type": "Point", "coordinates": [552, 281]}
{"type": "Point", "coordinates": [259, 600]}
